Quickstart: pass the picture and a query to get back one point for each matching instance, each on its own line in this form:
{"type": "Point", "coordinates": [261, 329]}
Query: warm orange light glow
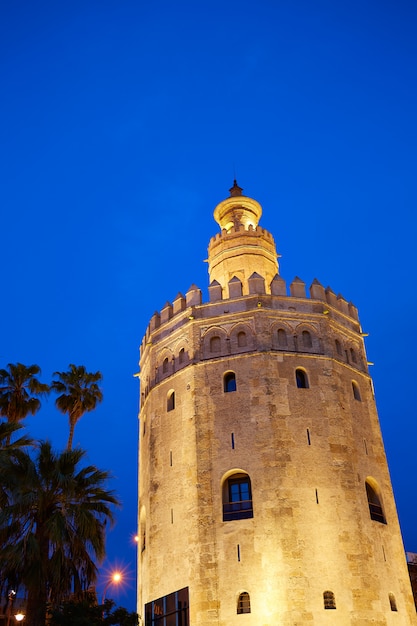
{"type": "Point", "coordinates": [115, 578]}
{"type": "Point", "coordinates": [19, 617]}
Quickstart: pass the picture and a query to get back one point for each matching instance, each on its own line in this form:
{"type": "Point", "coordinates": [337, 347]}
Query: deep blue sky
{"type": "Point", "coordinates": [124, 123]}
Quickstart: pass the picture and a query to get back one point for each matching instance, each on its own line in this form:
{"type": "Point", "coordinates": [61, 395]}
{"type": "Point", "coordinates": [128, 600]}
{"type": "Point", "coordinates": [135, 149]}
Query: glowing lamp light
{"type": "Point", "coordinates": [115, 579]}
{"type": "Point", "coordinates": [19, 617]}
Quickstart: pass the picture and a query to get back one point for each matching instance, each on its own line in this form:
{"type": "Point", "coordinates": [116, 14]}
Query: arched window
{"type": "Point", "coordinates": [165, 366]}
{"type": "Point", "coordinates": [229, 382]}
{"type": "Point", "coordinates": [393, 603]}
{"type": "Point", "coordinates": [215, 344]}
{"type": "Point", "coordinates": [237, 498]}
{"type": "Point", "coordinates": [338, 347]}
{"type": "Point", "coordinates": [375, 507]}
{"type": "Point", "coordinates": [307, 343]}
{"type": "Point", "coordinates": [282, 338]}
{"type": "Point", "coordinates": [353, 355]}
{"type": "Point", "coordinates": [181, 356]}
{"type": "Point", "coordinates": [171, 401]}
{"type": "Point", "coordinates": [241, 339]}
{"type": "Point", "coordinates": [356, 391]}
{"type": "Point", "coordinates": [243, 603]}
{"type": "Point", "coordinates": [301, 378]}
{"type": "Point", "coordinates": [329, 600]}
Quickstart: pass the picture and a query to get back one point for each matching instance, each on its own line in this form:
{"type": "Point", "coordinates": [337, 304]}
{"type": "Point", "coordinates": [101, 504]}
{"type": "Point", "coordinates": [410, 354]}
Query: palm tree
{"type": "Point", "coordinates": [52, 528]}
{"type": "Point", "coordinates": [19, 388]}
{"type": "Point", "coordinates": [9, 449]}
{"type": "Point", "coordinates": [80, 394]}
{"type": "Point", "coordinates": [8, 429]}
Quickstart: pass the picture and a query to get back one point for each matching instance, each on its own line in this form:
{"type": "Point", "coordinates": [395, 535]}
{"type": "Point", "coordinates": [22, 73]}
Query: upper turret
{"type": "Point", "coordinates": [237, 210]}
{"type": "Point", "coordinates": [243, 247]}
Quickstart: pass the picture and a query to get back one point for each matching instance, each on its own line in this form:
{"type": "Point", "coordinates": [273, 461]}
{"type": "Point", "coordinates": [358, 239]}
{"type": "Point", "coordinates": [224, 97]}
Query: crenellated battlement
{"type": "Point", "coordinates": [239, 230]}
{"type": "Point", "coordinates": [184, 309]}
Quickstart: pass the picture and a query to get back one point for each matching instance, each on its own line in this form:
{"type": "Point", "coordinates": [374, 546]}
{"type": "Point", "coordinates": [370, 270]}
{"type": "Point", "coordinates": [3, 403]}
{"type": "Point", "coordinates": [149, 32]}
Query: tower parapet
{"type": "Point", "coordinates": [279, 299]}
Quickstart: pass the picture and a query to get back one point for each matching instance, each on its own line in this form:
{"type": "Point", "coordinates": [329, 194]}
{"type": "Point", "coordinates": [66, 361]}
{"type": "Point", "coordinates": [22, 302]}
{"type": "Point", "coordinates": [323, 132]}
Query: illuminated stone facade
{"type": "Point", "coordinates": [264, 489]}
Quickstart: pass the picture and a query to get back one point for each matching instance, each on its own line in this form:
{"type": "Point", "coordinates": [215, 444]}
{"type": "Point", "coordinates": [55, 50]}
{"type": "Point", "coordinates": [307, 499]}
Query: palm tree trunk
{"type": "Point", "coordinates": [71, 434]}
{"type": "Point", "coordinates": [36, 608]}
{"type": "Point", "coordinates": [37, 591]}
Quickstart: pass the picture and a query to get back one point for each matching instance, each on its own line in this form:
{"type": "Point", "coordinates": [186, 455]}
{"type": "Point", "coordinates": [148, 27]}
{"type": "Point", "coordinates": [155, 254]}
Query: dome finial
{"type": "Point", "coordinates": [235, 190]}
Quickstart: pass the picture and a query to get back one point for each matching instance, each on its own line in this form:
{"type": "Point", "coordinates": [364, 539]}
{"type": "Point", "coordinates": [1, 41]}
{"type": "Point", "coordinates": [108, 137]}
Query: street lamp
{"type": "Point", "coordinates": [10, 599]}
{"type": "Point", "coordinates": [19, 617]}
{"type": "Point", "coordinates": [115, 579]}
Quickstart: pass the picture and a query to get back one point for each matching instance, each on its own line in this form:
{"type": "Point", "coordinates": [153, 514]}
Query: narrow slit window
{"type": "Point", "coordinates": [238, 552]}
{"type": "Point", "coordinates": [356, 391]}
{"type": "Point", "coordinates": [233, 440]}
{"type": "Point", "coordinates": [171, 401]}
{"type": "Point", "coordinates": [308, 437]}
{"type": "Point", "coordinates": [393, 603]}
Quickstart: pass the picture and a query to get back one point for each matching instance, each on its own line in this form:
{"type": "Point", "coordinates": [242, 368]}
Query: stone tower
{"type": "Point", "coordinates": [264, 492]}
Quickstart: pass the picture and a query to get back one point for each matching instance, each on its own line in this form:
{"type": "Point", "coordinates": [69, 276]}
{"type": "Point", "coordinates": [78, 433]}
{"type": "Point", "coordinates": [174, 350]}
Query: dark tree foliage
{"type": "Point", "coordinates": [20, 390]}
{"type": "Point", "coordinates": [53, 518]}
{"type": "Point", "coordinates": [86, 613]}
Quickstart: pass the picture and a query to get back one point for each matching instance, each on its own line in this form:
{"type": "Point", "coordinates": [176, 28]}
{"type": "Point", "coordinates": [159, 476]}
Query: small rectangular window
{"type": "Point", "coordinates": [238, 552]}
{"type": "Point", "coordinates": [233, 441]}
